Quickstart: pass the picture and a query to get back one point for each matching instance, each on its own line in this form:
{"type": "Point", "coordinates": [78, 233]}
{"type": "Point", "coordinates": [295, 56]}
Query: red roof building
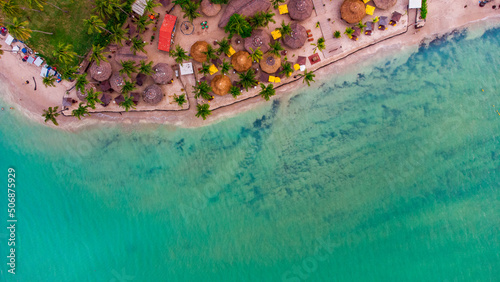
{"type": "Point", "coordinates": [167, 30]}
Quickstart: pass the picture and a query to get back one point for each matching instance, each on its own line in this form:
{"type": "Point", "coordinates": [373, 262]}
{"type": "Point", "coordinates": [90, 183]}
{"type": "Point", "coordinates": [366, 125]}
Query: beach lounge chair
{"type": "Point", "coordinates": [314, 58]}
{"type": "Point", "coordinates": [395, 18]}
{"type": "Point", "coordinates": [382, 23]}
{"type": "Point", "coordinates": [369, 28]}
{"type": "Point", "coordinates": [356, 34]}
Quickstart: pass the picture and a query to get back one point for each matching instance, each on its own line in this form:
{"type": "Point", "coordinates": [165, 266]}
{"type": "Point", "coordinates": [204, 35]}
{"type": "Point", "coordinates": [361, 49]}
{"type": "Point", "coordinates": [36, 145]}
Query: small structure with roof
{"type": "Point", "coordinates": [369, 28]}
{"type": "Point", "coordinates": [258, 39]}
{"type": "Point", "coordinates": [241, 61]}
{"type": "Point", "coordinates": [209, 9]}
{"type": "Point", "coordinates": [395, 18]}
{"type": "Point", "coordinates": [139, 6]}
{"type": "Point", "coordinates": [119, 99]}
{"type": "Point", "coordinates": [297, 38]}
{"type": "Point", "coordinates": [163, 73]}
{"type": "Point", "coordinates": [300, 10]}
{"type": "Point", "coordinates": [385, 4]}
{"type": "Point", "coordinates": [383, 22]}
{"type": "Point", "coordinates": [135, 97]}
{"type": "Point", "coordinates": [106, 99]}
{"type": "Point", "coordinates": [105, 86]}
{"type": "Point", "coordinates": [221, 84]}
{"type": "Point", "coordinates": [100, 72]}
{"type": "Point", "coordinates": [270, 63]}
{"type": "Point", "coordinates": [186, 68]}
{"type": "Point", "coordinates": [67, 102]}
{"type": "Point", "coordinates": [355, 35]}
{"type": "Point", "coordinates": [116, 81]}
{"type": "Point", "coordinates": [9, 39]}
{"type": "Point", "coordinates": [152, 94]}
{"type": "Point", "coordinates": [167, 31]}
{"type": "Point", "coordinates": [198, 50]}
{"type": "Point", "coordinates": [83, 96]}
{"type": "Point", "coordinates": [314, 58]}
{"type": "Point", "coordinates": [352, 11]}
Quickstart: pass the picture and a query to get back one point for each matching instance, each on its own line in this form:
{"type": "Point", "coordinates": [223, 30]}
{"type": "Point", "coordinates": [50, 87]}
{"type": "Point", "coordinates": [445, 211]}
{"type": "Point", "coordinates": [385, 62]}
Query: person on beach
{"type": "Point", "coordinates": [27, 82]}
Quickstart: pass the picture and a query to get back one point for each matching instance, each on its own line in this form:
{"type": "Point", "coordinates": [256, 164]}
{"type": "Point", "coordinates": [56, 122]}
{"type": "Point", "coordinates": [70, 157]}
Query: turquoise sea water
{"type": "Point", "coordinates": [390, 173]}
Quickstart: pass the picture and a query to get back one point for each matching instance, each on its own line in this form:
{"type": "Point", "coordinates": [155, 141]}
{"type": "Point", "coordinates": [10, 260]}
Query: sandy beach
{"type": "Point", "coordinates": [443, 16]}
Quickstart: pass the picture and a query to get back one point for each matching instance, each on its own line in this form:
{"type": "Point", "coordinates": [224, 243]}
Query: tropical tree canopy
{"type": "Point", "coordinates": [238, 25]}
{"type": "Point", "coordinates": [256, 54]}
{"type": "Point", "coordinates": [179, 54]}
{"type": "Point", "coordinates": [93, 98]}
{"type": "Point", "coordinates": [98, 55]}
{"type": "Point", "coordinates": [64, 53]}
{"type": "Point", "coordinates": [180, 100]}
{"type": "Point", "coordinates": [267, 91]}
{"type": "Point", "coordinates": [247, 79]}
{"type": "Point", "coordinates": [81, 111]}
{"type": "Point", "coordinates": [19, 29]}
{"type": "Point", "coordinates": [81, 81]}
{"type": "Point", "coordinates": [128, 103]}
{"type": "Point", "coordinates": [146, 68]}
{"type": "Point", "coordinates": [224, 46]}
{"type": "Point", "coordinates": [128, 68]}
{"type": "Point", "coordinates": [202, 90]}
{"type": "Point", "coordinates": [51, 114]}
{"type": "Point", "coordinates": [49, 81]}
{"type": "Point", "coordinates": [203, 111]}
{"type": "Point", "coordinates": [137, 45]}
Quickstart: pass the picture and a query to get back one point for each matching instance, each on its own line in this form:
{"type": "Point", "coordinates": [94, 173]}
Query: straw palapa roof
{"type": "Point", "coordinates": [384, 4]}
{"type": "Point", "coordinates": [116, 81]}
{"type": "Point", "coordinates": [81, 95]}
{"type": "Point", "coordinates": [241, 61]}
{"type": "Point", "coordinates": [245, 8]}
{"type": "Point", "coordinates": [101, 72]}
{"type": "Point", "coordinates": [300, 10]}
{"type": "Point", "coordinates": [270, 63]}
{"type": "Point", "coordinates": [259, 38]}
{"type": "Point", "coordinates": [352, 11]}
{"type": "Point", "coordinates": [297, 37]}
{"type": "Point", "coordinates": [210, 9]}
{"type": "Point", "coordinates": [221, 84]}
{"type": "Point", "coordinates": [163, 73]}
{"type": "Point", "coordinates": [197, 51]}
{"type": "Point", "coordinates": [152, 94]}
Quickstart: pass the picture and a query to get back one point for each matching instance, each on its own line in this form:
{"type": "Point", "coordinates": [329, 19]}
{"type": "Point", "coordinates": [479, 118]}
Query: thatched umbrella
{"type": "Point", "coordinates": [116, 81]}
{"type": "Point", "coordinates": [300, 10]}
{"type": "Point", "coordinates": [221, 84]}
{"type": "Point", "coordinates": [101, 72]}
{"type": "Point", "coordinates": [81, 95]}
{"type": "Point", "coordinates": [352, 11]}
{"type": "Point", "coordinates": [209, 9]}
{"type": "Point", "coordinates": [197, 51]}
{"type": "Point", "coordinates": [270, 63]}
{"type": "Point", "coordinates": [152, 94]}
{"type": "Point", "coordinates": [163, 73]}
{"type": "Point", "coordinates": [297, 37]}
{"type": "Point", "coordinates": [384, 4]}
{"type": "Point", "coordinates": [106, 99]}
{"type": "Point", "coordinates": [259, 38]}
{"type": "Point", "coordinates": [241, 61]}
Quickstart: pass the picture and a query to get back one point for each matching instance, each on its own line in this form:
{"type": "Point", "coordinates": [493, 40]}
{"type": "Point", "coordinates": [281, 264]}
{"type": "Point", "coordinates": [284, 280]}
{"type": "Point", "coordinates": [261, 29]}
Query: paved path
{"type": "Point", "coordinates": [318, 6]}
{"type": "Point", "coordinates": [332, 44]}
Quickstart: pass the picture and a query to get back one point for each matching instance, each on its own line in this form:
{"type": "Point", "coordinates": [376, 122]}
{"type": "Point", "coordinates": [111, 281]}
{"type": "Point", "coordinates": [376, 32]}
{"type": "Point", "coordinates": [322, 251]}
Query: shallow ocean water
{"type": "Point", "coordinates": [390, 173]}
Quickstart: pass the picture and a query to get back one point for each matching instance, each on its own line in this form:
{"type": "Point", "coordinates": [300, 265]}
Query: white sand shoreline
{"type": "Point", "coordinates": [23, 99]}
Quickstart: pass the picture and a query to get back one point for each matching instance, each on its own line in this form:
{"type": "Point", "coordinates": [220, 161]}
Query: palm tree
{"type": "Point", "coordinates": [1, 51]}
{"type": "Point", "coordinates": [205, 69]}
{"type": "Point", "coordinates": [150, 5]}
{"type": "Point", "coordinates": [49, 81]}
{"type": "Point", "coordinates": [276, 48]}
{"type": "Point", "coordinates": [247, 79]}
{"type": "Point", "coordinates": [128, 87]}
{"type": "Point", "coordinates": [19, 29]}
{"type": "Point", "coordinates": [146, 68]}
{"type": "Point", "coordinates": [128, 68]}
{"type": "Point", "coordinates": [224, 46]}
{"type": "Point", "coordinates": [267, 91]}
{"type": "Point", "coordinates": [285, 29]}
{"type": "Point", "coordinates": [203, 111]}
{"type": "Point", "coordinates": [142, 23]}
{"type": "Point", "coordinates": [189, 8]}
{"type": "Point", "coordinates": [81, 81]}
{"type": "Point", "coordinates": [349, 31]}
{"type": "Point", "coordinates": [64, 53]}
{"type": "Point", "coordinates": [137, 45]}
{"type": "Point", "coordinates": [308, 77]}
{"type": "Point", "coordinates": [375, 19]}
{"type": "Point", "coordinates": [238, 25]}
{"type": "Point", "coordinates": [320, 45]}
{"type": "Point", "coordinates": [95, 24]}
{"type": "Point", "coordinates": [210, 53]}
{"type": "Point", "coordinates": [93, 98]}
{"type": "Point", "coordinates": [10, 8]}
{"type": "Point", "coordinates": [128, 103]}
{"type": "Point", "coordinates": [225, 67]}
{"type": "Point", "coordinates": [276, 3]}
{"type": "Point", "coordinates": [179, 54]}
{"type": "Point", "coordinates": [80, 112]}
{"type": "Point", "coordinates": [337, 34]}
{"type": "Point", "coordinates": [235, 91]}
{"type": "Point", "coordinates": [106, 8]}
{"type": "Point", "coordinates": [361, 25]}
{"type": "Point", "coordinates": [69, 72]}
{"type": "Point", "coordinates": [37, 4]}
{"type": "Point", "coordinates": [287, 69]}
{"type": "Point", "coordinates": [51, 114]}
{"type": "Point", "coordinates": [180, 100]}
{"type": "Point", "coordinates": [98, 55]}
{"type": "Point", "coordinates": [202, 89]}
{"type": "Point", "coordinates": [261, 19]}
{"type": "Point", "coordinates": [118, 34]}
{"type": "Point", "coordinates": [256, 54]}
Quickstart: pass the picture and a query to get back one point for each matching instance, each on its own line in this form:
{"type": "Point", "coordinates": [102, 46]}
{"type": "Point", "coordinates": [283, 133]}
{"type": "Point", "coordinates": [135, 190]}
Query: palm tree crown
{"type": "Point", "coordinates": [51, 114]}
{"type": "Point", "coordinates": [19, 29]}
{"type": "Point", "coordinates": [49, 81]}
{"type": "Point", "coordinates": [146, 68]}
{"type": "Point", "coordinates": [267, 91]}
{"type": "Point", "coordinates": [308, 77]}
{"type": "Point", "coordinates": [128, 68]}
{"type": "Point", "coordinates": [64, 53]}
{"type": "Point", "coordinates": [93, 98]}
{"type": "Point", "coordinates": [203, 111]}
{"type": "Point", "coordinates": [98, 55]}
{"type": "Point", "coordinates": [247, 79]}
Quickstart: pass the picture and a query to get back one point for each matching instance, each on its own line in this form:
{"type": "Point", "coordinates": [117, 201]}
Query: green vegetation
{"type": "Point", "coordinates": [235, 91]}
{"type": "Point", "coordinates": [267, 91]}
{"type": "Point", "coordinates": [256, 54]}
{"type": "Point", "coordinates": [261, 19]}
{"type": "Point", "coordinates": [361, 25]}
{"type": "Point", "coordinates": [137, 45]}
{"type": "Point", "coordinates": [205, 69]}
{"type": "Point", "coordinates": [238, 25]}
{"type": "Point", "coordinates": [219, 1]}
{"type": "Point", "coordinates": [224, 46]}
{"type": "Point", "coordinates": [190, 8]}
{"type": "Point", "coordinates": [128, 68]}
{"type": "Point", "coordinates": [98, 55]}
{"type": "Point", "coordinates": [64, 53]}
{"type": "Point", "coordinates": [276, 3]}
{"type": "Point", "coordinates": [276, 48]}
{"type": "Point", "coordinates": [211, 53]}
{"type": "Point", "coordinates": [337, 34]}
{"type": "Point", "coordinates": [146, 68]}
{"type": "Point", "coordinates": [49, 81]}
{"type": "Point", "coordinates": [81, 111]}
{"type": "Point", "coordinates": [308, 77]}
{"type": "Point", "coordinates": [179, 54]}
{"type": "Point", "coordinates": [81, 81]}
{"type": "Point", "coordinates": [203, 111]}
{"type": "Point", "coordinates": [202, 90]}
{"type": "Point", "coordinates": [349, 31]}
{"type": "Point", "coordinates": [128, 87]}
{"type": "Point", "coordinates": [225, 67]}
{"type": "Point", "coordinates": [285, 29]}
{"type": "Point", "coordinates": [320, 45]}
{"type": "Point", "coordinates": [51, 114]}
{"type": "Point", "coordinates": [247, 79]}
{"type": "Point", "coordinates": [423, 10]}
{"type": "Point", "coordinates": [128, 103]}
{"type": "Point", "coordinates": [180, 100]}
{"type": "Point", "coordinates": [93, 98]}
{"type": "Point", "coordinates": [287, 69]}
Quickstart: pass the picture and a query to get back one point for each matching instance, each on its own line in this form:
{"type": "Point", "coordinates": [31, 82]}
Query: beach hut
{"type": "Point", "coordinates": [116, 81]}
{"type": "Point", "coordinates": [297, 38]}
{"type": "Point", "coordinates": [140, 78]}
{"type": "Point", "coordinates": [352, 11]}
{"type": "Point", "coordinates": [167, 32]}
{"type": "Point", "coordinates": [382, 23]}
{"type": "Point", "coordinates": [357, 32]}
{"type": "Point", "coordinates": [67, 102]}
{"type": "Point", "coordinates": [270, 63]}
{"type": "Point", "coordinates": [264, 77]}
{"type": "Point", "coordinates": [82, 96]}
{"type": "Point", "coordinates": [119, 99]}
{"type": "Point", "coordinates": [241, 61]}
{"type": "Point", "coordinates": [259, 38]}
{"type": "Point", "coordinates": [186, 68]}
{"type": "Point", "coordinates": [246, 8]}
{"type": "Point", "coordinates": [209, 9]}
{"type": "Point", "coordinates": [106, 99]}
{"type": "Point", "coordinates": [385, 4]}
{"type": "Point", "coordinates": [105, 86]}
{"type": "Point", "coordinates": [221, 84]}
{"type": "Point", "coordinates": [163, 73]}
{"type": "Point", "coordinates": [152, 94]}
{"type": "Point", "coordinates": [100, 72]}
{"type": "Point", "coordinates": [139, 6]}
{"type": "Point", "coordinates": [369, 28]}
{"type": "Point", "coordinates": [395, 18]}
{"type": "Point", "coordinates": [125, 54]}
{"type": "Point", "coordinates": [300, 10]}
{"type": "Point", "coordinates": [197, 51]}
{"type": "Point", "coordinates": [135, 97]}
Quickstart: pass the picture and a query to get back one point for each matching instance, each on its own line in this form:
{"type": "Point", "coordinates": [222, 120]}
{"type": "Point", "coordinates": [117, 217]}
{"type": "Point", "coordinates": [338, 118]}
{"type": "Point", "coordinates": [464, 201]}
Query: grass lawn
{"type": "Point", "coordinates": [67, 27]}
